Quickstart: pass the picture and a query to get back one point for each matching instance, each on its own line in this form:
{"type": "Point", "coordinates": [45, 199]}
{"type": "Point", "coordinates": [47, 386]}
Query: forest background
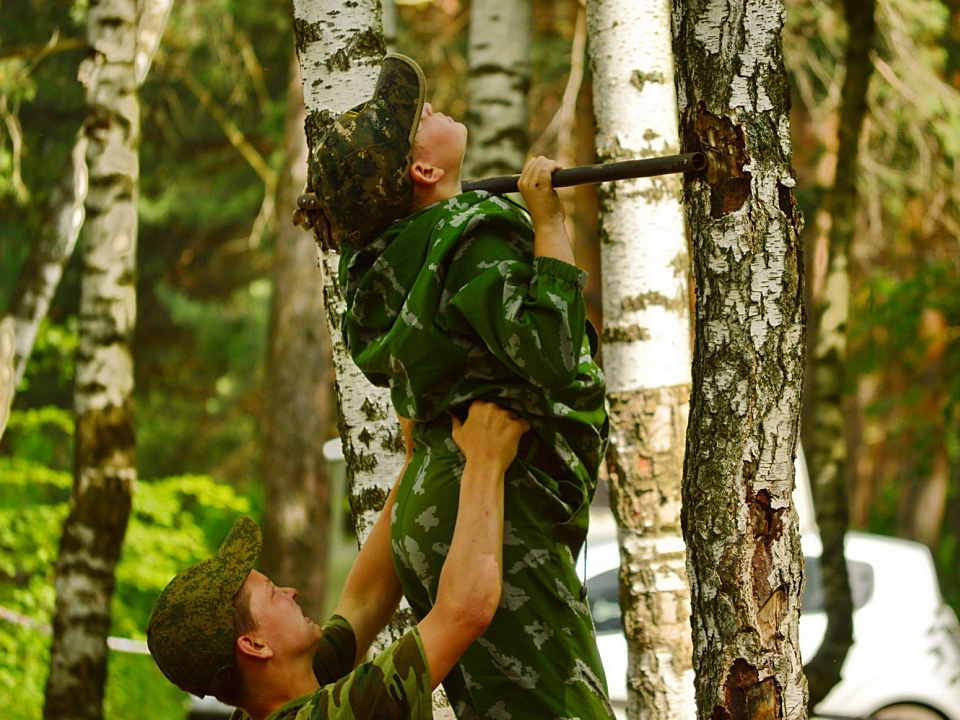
{"type": "Point", "coordinates": [214, 108]}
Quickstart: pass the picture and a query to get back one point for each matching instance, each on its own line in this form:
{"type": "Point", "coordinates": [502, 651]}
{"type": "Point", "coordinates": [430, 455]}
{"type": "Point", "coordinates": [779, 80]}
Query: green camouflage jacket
{"type": "Point", "coordinates": [449, 304]}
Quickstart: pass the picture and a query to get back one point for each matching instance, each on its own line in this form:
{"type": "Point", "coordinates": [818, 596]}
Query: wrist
{"type": "Point", "coordinates": [553, 242]}
{"type": "Point", "coordinates": [486, 467]}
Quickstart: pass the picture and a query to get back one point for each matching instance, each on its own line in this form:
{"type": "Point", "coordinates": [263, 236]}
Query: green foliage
{"type": "Point", "coordinates": [918, 407]}
{"type": "Point", "coordinates": [890, 331]}
{"type": "Point", "coordinates": [175, 522]}
{"type": "Point", "coordinates": [137, 689]}
{"type": "Point", "coordinates": [53, 356]}
{"type": "Point", "coordinates": [202, 309]}
{"type": "Point", "coordinates": [196, 412]}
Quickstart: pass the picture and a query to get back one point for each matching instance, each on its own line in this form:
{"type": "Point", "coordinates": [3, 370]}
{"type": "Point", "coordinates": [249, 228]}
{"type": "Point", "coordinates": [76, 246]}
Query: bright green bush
{"type": "Point", "coordinates": [175, 522]}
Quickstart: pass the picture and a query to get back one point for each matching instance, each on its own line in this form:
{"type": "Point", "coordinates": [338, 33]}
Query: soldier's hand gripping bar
{"type": "Point", "coordinates": [688, 162]}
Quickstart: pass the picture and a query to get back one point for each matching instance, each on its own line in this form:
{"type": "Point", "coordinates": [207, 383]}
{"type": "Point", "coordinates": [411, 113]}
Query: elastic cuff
{"type": "Point", "coordinates": [560, 270]}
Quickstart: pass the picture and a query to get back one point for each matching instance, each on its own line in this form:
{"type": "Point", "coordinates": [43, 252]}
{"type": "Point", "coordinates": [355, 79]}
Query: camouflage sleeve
{"type": "Point", "coordinates": [395, 685]}
{"type": "Point", "coordinates": [530, 313]}
{"type": "Point", "coordinates": [337, 652]}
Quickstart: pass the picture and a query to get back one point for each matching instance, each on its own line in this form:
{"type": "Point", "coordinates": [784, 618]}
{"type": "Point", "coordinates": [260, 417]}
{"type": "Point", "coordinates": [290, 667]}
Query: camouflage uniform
{"type": "Point", "coordinates": [448, 305]}
{"type": "Point", "coordinates": [393, 686]}
{"type": "Point", "coordinates": [191, 637]}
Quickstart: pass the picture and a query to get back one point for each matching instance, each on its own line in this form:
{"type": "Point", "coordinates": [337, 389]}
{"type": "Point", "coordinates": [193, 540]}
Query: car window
{"type": "Point", "coordinates": [861, 584]}
{"type": "Point", "coordinates": [603, 596]}
{"type": "Point", "coordinates": [603, 592]}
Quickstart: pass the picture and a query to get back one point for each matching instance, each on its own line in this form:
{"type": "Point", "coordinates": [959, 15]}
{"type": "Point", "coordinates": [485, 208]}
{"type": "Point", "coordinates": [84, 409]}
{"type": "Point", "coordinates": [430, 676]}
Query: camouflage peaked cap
{"type": "Point", "coordinates": [361, 168]}
{"type": "Point", "coordinates": [190, 632]}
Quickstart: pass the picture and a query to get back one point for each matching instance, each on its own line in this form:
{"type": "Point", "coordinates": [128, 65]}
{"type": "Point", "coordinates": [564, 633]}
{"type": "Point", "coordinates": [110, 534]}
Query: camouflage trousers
{"type": "Point", "coordinates": [538, 659]}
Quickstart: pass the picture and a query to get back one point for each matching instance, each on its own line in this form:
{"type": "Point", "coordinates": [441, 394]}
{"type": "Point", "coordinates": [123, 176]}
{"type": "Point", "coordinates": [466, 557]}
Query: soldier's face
{"type": "Point", "coordinates": [441, 141]}
{"type": "Point", "coordinates": [280, 623]}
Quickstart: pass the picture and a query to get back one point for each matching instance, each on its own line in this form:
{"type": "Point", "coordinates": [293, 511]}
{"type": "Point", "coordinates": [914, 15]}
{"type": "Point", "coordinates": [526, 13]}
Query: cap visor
{"type": "Point", "coordinates": [240, 550]}
{"type": "Point", "coordinates": [402, 86]}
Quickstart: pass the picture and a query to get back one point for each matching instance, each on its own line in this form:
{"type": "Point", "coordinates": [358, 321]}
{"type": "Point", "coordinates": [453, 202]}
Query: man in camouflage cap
{"type": "Point", "coordinates": [222, 628]}
{"type": "Point", "coordinates": [452, 296]}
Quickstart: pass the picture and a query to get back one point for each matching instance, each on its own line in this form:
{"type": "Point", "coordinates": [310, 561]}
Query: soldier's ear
{"type": "Point", "coordinates": [250, 646]}
{"type": "Point", "coordinates": [424, 173]}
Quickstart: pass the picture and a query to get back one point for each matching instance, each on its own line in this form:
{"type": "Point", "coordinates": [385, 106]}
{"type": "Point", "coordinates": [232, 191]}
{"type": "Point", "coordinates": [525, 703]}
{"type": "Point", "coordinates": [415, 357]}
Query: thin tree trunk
{"type": "Point", "coordinates": [388, 12]}
{"type": "Point", "coordinates": [828, 453]}
{"type": "Point", "coordinates": [40, 276]}
{"type": "Point", "coordinates": [340, 48]}
{"type": "Point", "coordinates": [298, 403]}
{"type": "Point", "coordinates": [8, 344]}
{"type": "Point", "coordinates": [153, 21]}
{"type": "Point", "coordinates": [104, 469]}
{"type": "Point", "coordinates": [923, 499]}
{"type": "Point", "coordinates": [646, 346]}
{"type": "Point", "coordinates": [741, 529]}
{"type": "Point", "coordinates": [499, 41]}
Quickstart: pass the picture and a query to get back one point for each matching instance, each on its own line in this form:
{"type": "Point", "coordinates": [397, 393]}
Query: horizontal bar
{"type": "Point", "coordinates": [587, 174]}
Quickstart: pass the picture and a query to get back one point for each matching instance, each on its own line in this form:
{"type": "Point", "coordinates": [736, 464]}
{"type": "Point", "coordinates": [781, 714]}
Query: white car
{"type": "Point", "coordinates": [905, 660]}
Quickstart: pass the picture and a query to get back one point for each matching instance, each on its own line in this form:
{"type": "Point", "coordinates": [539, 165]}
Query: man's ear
{"type": "Point", "coordinates": [425, 173]}
{"type": "Point", "coordinates": [249, 645]}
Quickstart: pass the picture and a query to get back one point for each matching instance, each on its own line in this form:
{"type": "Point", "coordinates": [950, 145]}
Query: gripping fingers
{"type": "Point", "coordinates": [538, 174]}
{"type": "Point", "coordinates": [491, 433]}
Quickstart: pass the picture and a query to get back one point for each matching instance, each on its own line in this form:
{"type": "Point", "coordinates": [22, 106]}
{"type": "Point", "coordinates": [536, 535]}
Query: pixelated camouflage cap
{"type": "Point", "coordinates": [361, 167]}
{"type": "Point", "coordinates": [190, 632]}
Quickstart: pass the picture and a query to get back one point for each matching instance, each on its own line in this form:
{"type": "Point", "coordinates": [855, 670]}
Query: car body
{"type": "Point", "coordinates": [904, 663]}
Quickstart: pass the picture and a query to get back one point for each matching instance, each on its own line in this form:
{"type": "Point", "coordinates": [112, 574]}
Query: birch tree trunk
{"type": "Point", "coordinates": [388, 13]}
{"type": "Point", "coordinates": [828, 454]}
{"type": "Point", "coordinates": [499, 42]}
{"type": "Point", "coordinates": [298, 393]}
{"type": "Point", "coordinates": [40, 276]}
{"type": "Point", "coordinates": [104, 469]}
{"type": "Point", "coordinates": [8, 340]}
{"type": "Point", "coordinates": [340, 48]}
{"type": "Point", "coordinates": [741, 529]}
{"type": "Point", "coordinates": [646, 346]}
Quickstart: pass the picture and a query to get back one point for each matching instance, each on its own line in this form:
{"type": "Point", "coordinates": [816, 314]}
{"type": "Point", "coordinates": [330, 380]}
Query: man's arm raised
{"type": "Point", "coordinates": [470, 583]}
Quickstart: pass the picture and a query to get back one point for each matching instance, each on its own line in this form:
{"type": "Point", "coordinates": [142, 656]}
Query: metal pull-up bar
{"type": "Point", "coordinates": [587, 174]}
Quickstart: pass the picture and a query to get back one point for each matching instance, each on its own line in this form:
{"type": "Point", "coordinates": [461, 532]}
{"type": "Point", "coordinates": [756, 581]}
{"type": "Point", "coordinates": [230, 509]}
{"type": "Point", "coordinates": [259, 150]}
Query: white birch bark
{"type": "Point", "coordinates": [8, 338]}
{"type": "Point", "coordinates": [40, 277]}
{"type": "Point", "coordinates": [388, 12]}
{"type": "Point", "coordinates": [340, 48]}
{"type": "Point", "coordinates": [499, 43]}
{"type": "Point", "coordinates": [153, 21]}
{"type": "Point", "coordinates": [104, 468]}
{"type": "Point", "coordinates": [744, 558]}
{"type": "Point", "coordinates": [646, 348]}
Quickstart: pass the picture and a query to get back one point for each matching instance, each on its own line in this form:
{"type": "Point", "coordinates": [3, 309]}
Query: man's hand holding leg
{"type": "Point", "coordinates": [470, 583]}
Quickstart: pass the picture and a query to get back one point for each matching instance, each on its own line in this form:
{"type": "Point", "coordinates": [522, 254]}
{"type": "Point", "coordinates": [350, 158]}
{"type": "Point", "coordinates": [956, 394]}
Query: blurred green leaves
{"type": "Point", "coordinates": [176, 521]}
